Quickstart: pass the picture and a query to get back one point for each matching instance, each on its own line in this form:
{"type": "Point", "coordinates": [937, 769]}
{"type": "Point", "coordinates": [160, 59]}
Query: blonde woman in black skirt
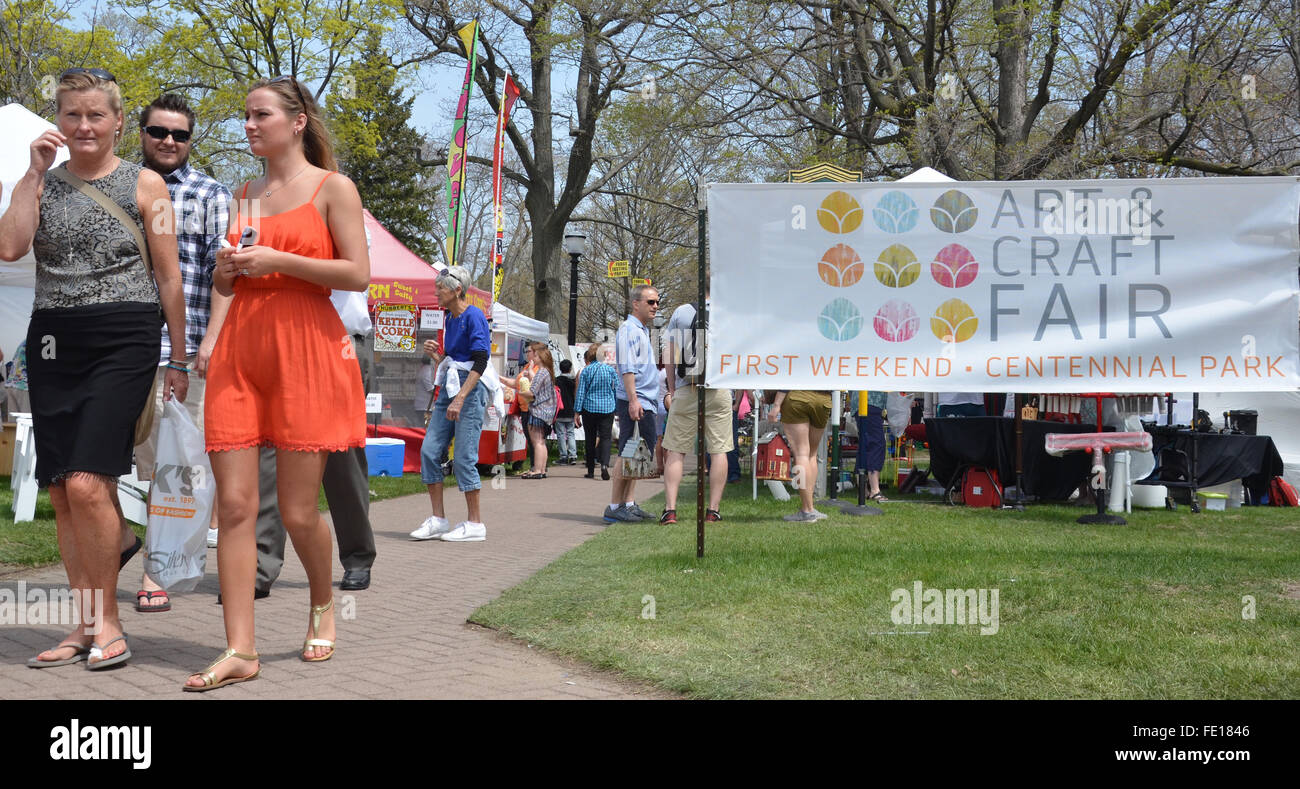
{"type": "Point", "coordinates": [94, 338]}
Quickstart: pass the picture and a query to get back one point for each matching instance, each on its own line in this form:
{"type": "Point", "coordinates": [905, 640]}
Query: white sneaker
{"type": "Point", "coordinates": [433, 528]}
{"type": "Point", "coordinates": [212, 538]}
{"type": "Point", "coordinates": [466, 531]}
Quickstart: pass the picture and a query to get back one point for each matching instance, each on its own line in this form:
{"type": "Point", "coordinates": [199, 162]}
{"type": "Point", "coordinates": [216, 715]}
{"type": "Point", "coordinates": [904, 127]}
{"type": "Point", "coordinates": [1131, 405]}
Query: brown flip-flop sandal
{"type": "Point", "coordinates": [149, 609]}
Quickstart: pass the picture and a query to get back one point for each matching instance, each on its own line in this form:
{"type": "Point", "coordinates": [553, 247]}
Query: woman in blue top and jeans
{"type": "Point", "coordinates": [458, 411]}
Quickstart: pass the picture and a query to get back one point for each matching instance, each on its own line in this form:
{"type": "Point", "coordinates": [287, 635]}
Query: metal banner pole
{"type": "Point", "coordinates": [701, 351]}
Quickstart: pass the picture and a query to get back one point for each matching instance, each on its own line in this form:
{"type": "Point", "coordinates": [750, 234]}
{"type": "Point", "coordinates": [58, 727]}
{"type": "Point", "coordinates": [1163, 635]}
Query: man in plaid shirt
{"type": "Point", "coordinates": [202, 210]}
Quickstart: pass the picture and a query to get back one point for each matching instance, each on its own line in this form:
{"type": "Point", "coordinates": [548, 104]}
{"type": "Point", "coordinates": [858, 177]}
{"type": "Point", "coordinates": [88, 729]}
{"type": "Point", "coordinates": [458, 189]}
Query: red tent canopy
{"type": "Point", "coordinates": [399, 276]}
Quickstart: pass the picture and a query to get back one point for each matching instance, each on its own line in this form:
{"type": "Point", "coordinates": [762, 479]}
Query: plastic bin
{"type": "Point", "coordinates": [385, 456]}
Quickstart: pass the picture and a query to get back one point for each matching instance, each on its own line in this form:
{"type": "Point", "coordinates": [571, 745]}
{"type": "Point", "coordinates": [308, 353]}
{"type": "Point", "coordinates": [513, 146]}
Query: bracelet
{"type": "Point", "coordinates": [180, 368]}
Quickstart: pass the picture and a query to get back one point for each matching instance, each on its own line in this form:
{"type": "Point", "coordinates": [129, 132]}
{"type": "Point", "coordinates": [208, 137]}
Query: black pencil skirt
{"type": "Point", "coordinates": [90, 371]}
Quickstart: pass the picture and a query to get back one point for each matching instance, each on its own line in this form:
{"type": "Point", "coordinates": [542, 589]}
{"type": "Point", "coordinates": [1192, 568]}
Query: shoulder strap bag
{"type": "Point", "coordinates": [144, 424]}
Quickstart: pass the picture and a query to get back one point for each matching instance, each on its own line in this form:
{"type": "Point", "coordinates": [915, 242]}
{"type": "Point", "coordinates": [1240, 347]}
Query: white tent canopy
{"type": "Point", "coordinates": [517, 324]}
{"type": "Point", "coordinates": [18, 128]}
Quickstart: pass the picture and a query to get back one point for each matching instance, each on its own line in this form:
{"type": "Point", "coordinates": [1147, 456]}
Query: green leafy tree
{"type": "Point", "coordinates": [378, 149]}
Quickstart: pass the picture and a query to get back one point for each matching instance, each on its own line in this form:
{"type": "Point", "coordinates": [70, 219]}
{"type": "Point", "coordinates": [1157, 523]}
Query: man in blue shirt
{"type": "Point", "coordinates": [637, 398]}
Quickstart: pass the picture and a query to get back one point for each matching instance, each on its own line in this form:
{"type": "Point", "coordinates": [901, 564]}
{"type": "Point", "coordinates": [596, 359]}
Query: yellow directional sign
{"type": "Point", "coordinates": [640, 281]}
{"type": "Point", "coordinates": [619, 268]}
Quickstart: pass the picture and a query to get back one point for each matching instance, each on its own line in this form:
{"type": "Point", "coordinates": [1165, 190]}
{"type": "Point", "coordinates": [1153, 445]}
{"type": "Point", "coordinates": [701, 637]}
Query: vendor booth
{"type": "Point", "coordinates": [510, 332]}
{"type": "Point", "coordinates": [18, 128]}
{"type": "Point", "coordinates": [401, 290]}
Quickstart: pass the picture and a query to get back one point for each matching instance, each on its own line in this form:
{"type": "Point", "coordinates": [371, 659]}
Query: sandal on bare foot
{"type": "Point", "coordinates": [81, 653]}
{"type": "Point", "coordinates": [95, 660]}
{"type": "Point", "coordinates": [209, 675]}
{"type": "Point", "coordinates": [316, 612]}
{"type": "Point", "coordinates": [144, 601]}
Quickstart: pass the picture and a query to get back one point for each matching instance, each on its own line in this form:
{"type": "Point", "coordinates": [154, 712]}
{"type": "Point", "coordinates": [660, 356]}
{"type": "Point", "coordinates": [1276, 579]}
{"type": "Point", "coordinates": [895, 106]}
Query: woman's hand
{"type": "Point", "coordinates": [453, 408]}
{"type": "Point", "coordinates": [177, 384]}
{"type": "Point", "coordinates": [254, 261]}
{"type": "Point", "coordinates": [431, 350]}
{"type": "Point", "coordinates": [225, 269]}
{"type": "Point", "coordinates": [206, 347]}
{"type": "Point", "coordinates": [44, 149]}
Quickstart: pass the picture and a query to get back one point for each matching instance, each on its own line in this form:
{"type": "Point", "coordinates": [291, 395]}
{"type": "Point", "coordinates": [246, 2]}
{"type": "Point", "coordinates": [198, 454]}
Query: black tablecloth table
{"type": "Point", "coordinates": [1220, 458]}
{"type": "Point", "coordinates": [990, 441]}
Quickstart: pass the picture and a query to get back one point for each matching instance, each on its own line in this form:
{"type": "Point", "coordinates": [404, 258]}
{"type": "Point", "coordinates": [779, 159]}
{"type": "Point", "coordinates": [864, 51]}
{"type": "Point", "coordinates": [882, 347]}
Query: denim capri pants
{"type": "Point", "coordinates": [466, 429]}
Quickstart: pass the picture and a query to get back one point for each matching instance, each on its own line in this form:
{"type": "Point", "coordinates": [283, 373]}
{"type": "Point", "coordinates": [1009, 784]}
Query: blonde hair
{"type": "Point", "coordinates": [296, 101]}
{"type": "Point", "coordinates": [544, 357]}
{"type": "Point", "coordinates": [83, 81]}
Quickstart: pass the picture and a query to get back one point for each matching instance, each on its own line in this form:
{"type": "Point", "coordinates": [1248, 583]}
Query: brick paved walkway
{"type": "Point", "coordinates": [409, 637]}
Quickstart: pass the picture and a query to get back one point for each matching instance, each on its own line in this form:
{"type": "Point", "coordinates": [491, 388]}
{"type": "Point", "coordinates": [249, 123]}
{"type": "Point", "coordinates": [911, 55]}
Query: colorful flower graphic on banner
{"type": "Point", "coordinates": [841, 267]}
{"type": "Point", "coordinates": [839, 213]}
{"type": "Point", "coordinates": [840, 321]}
{"type": "Point", "coordinates": [895, 213]}
{"type": "Point", "coordinates": [954, 321]}
{"type": "Point", "coordinates": [896, 321]}
{"type": "Point", "coordinates": [954, 267]}
{"type": "Point", "coordinates": [897, 267]}
{"type": "Point", "coordinates": [954, 212]}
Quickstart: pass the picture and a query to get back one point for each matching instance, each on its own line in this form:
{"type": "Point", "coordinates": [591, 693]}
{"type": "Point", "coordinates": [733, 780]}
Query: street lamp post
{"type": "Point", "coordinates": [575, 243]}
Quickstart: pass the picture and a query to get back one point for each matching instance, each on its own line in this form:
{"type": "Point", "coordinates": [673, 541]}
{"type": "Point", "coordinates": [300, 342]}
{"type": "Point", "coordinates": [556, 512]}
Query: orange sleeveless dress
{"type": "Point", "coordinates": [284, 373]}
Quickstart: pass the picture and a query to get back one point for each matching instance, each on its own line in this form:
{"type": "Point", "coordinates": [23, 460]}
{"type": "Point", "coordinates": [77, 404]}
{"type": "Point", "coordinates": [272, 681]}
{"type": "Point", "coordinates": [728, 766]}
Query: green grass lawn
{"type": "Point", "coordinates": [1149, 610]}
{"type": "Point", "coordinates": [33, 544]}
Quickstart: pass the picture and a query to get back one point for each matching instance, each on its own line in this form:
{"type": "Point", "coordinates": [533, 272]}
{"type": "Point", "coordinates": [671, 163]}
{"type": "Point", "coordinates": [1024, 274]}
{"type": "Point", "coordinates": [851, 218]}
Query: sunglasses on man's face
{"type": "Point", "coordinates": [94, 72]}
{"type": "Point", "coordinates": [161, 133]}
{"type": "Point", "coordinates": [652, 302]}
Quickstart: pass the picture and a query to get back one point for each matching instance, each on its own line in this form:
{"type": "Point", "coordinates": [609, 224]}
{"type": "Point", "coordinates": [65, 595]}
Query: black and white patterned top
{"type": "Point", "coordinates": [83, 254]}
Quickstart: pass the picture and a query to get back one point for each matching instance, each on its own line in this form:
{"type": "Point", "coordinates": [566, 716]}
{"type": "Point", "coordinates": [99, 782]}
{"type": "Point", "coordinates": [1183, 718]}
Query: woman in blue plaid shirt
{"type": "Point", "coordinates": [594, 404]}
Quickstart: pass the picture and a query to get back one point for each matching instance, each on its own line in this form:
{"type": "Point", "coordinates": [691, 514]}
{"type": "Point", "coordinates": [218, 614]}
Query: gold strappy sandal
{"type": "Point", "coordinates": [316, 612]}
{"type": "Point", "coordinates": [210, 676]}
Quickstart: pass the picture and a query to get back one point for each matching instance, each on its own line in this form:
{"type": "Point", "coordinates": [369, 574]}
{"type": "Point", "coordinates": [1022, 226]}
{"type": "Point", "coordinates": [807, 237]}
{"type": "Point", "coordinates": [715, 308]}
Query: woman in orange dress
{"type": "Point", "coordinates": [283, 373]}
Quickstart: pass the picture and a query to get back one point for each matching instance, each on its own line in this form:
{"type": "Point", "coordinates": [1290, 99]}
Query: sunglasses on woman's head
{"type": "Point", "coordinates": [161, 132]}
{"type": "Point", "coordinates": [94, 72]}
{"type": "Point", "coordinates": [294, 82]}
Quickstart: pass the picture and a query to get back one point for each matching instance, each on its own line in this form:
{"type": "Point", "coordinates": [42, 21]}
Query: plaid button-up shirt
{"type": "Point", "coordinates": [596, 385]}
{"type": "Point", "coordinates": [202, 208]}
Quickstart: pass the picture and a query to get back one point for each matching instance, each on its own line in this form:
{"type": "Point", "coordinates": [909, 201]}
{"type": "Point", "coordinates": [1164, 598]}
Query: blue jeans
{"type": "Point", "coordinates": [564, 435]}
{"type": "Point", "coordinates": [871, 440]}
{"type": "Point", "coordinates": [467, 429]}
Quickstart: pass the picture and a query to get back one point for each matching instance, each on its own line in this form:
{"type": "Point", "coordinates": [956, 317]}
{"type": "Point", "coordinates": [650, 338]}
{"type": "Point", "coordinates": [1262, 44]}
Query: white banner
{"type": "Point", "coordinates": [1040, 286]}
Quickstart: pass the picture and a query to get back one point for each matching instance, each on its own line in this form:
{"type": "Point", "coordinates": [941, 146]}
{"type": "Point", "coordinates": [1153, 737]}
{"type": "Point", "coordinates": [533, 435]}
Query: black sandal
{"type": "Point", "coordinates": [533, 475]}
{"type": "Point", "coordinates": [879, 498]}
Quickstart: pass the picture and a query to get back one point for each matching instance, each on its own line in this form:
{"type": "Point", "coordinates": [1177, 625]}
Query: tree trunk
{"type": "Point", "coordinates": [1012, 20]}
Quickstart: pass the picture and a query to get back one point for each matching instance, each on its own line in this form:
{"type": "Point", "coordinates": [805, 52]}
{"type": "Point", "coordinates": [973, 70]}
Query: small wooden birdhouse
{"type": "Point", "coordinates": [774, 458]}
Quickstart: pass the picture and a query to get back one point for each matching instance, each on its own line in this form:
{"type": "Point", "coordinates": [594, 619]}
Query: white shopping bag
{"type": "Point", "coordinates": [180, 504]}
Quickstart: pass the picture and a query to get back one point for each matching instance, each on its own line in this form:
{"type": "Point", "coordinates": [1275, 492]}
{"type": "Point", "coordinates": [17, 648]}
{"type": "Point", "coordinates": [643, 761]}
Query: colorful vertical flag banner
{"type": "Point", "coordinates": [508, 97]}
{"type": "Point", "coordinates": [456, 152]}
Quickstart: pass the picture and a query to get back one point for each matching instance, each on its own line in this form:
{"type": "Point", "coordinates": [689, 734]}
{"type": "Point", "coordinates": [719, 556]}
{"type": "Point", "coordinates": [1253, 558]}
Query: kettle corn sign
{"type": "Point", "coordinates": [1062, 286]}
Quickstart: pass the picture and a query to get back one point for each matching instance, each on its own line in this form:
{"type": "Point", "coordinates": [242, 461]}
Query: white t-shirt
{"type": "Point", "coordinates": [961, 398]}
{"type": "Point", "coordinates": [677, 335]}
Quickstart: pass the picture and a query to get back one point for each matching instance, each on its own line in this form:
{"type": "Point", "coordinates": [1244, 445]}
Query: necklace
{"type": "Point", "coordinates": [286, 183]}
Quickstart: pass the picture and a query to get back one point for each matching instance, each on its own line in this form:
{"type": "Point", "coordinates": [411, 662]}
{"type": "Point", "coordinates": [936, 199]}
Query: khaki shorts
{"type": "Point", "coordinates": [146, 453]}
{"type": "Point", "coordinates": [804, 407]}
{"type": "Point", "coordinates": [679, 436]}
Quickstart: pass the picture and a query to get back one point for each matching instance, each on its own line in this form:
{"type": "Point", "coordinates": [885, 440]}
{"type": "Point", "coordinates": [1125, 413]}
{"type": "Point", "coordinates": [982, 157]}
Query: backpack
{"type": "Point", "coordinates": [559, 400]}
{"type": "Point", "coordinates": [1282, 494]}
{"type": "Point", "coordinates": [689, 357]}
